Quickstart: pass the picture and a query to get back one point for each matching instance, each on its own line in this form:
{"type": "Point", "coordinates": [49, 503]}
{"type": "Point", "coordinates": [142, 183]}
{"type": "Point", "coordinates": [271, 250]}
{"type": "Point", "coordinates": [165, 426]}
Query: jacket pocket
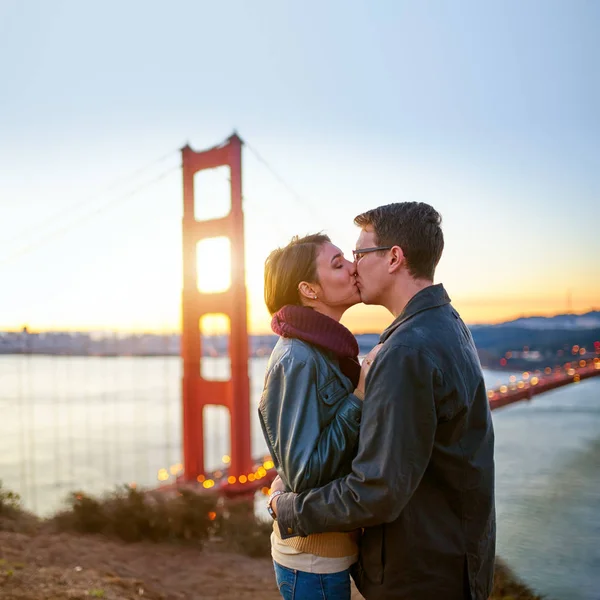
{"type": "Point", "coordinates": [332, 391]}
{"type": "Point", "coordinates": [372, 553]}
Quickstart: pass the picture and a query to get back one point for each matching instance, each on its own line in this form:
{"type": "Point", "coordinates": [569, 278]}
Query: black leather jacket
{"type": "Point", "coordinates": [309, 416]}
{"type": "Point", "coordinates": [422, 484]}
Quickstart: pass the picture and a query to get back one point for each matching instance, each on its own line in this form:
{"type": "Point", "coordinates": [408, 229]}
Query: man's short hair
{"type": "Point", "coordinates": [415, 227]}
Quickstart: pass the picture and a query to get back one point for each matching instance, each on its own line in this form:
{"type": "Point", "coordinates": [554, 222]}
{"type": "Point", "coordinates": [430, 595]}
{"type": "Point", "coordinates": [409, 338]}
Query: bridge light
{"type": "Point", "coordinates": [226, 459]}
{"type": "Point", "coordinates": [243, 479]}
{"type": "Point", "coordinates": [231, 479]}
{"type": "Point", "coordinates": [503, 389]}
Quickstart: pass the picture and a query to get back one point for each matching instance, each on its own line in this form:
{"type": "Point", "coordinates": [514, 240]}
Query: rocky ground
{"type": "Point", "coordinates": [67, 566]}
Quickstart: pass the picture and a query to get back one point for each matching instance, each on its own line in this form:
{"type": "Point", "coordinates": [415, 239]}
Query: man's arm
{"type": "Point", "coordinates": [395, 444]}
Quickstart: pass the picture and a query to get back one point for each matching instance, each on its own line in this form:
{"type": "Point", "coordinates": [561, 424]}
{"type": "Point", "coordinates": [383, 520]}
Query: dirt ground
{"type": "Point", "coordinates": [61, 566]}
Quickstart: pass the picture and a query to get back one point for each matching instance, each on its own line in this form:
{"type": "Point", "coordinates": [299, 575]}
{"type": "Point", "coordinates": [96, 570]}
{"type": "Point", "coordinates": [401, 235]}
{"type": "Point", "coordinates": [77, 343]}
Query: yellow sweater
{"type": "Point", "coordinates": [333, 545]}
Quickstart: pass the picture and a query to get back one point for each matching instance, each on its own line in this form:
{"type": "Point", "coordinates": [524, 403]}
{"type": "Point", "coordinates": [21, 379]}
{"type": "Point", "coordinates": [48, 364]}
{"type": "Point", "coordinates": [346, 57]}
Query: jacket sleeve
{"type": "Point", "coordinates": [306, 453]}
{"type": "Point", "coordinates": [395, 445]}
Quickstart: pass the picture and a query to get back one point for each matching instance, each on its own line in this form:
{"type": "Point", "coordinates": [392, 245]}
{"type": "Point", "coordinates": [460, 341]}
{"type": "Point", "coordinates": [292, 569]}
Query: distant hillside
{"type": "Point", "coordinates": [537, 341]}
{"type": "Point", "coordinates": [590, 320]}
{"type": "Point", "coordinates": [529, 342]}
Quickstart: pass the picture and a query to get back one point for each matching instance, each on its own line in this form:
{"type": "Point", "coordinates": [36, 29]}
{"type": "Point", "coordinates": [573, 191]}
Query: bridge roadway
{"type": "Point", "coordinates": [533, 384]}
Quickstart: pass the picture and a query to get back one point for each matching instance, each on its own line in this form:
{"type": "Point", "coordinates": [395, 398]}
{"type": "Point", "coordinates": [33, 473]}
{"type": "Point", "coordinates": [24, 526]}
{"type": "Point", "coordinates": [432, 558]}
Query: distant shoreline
{"type": "Point", "coordinates": [522, 345]}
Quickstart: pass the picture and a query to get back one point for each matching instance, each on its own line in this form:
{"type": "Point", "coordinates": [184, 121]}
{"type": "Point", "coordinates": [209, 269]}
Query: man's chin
{"type": "Point", "coordinates": [365, 299]}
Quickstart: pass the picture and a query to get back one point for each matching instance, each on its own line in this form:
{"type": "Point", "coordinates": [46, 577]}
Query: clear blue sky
{"type": "Point", "coordinates": [487, 110]}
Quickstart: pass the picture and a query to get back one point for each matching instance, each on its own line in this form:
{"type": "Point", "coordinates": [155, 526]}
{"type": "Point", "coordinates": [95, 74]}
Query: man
{"type": "Point", "coordinates": [422, 483]}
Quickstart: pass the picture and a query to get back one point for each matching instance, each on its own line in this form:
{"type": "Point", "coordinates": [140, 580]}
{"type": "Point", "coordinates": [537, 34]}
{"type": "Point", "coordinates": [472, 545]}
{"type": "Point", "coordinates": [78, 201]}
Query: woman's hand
{"type": "Point", "coordinates": [277, 485]}
{"type": "Point", "coordinates": [365, 367]}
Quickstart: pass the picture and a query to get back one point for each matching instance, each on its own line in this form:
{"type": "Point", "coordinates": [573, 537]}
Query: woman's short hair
{"type": "Point", "coordinates": [286, 267]}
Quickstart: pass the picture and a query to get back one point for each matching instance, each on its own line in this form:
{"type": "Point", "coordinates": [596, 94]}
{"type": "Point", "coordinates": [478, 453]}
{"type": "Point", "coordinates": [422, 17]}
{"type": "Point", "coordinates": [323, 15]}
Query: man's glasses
{"type": "Point", "coordinates": [358, 254]}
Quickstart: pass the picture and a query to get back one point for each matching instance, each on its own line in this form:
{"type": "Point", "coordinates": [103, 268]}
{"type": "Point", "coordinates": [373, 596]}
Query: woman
{"type": "Point", "coordinates": [311, 405]}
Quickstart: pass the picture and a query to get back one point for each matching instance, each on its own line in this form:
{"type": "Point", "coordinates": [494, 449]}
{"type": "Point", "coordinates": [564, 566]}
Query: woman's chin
{"type": "Point", "coordinates": [354, 300]}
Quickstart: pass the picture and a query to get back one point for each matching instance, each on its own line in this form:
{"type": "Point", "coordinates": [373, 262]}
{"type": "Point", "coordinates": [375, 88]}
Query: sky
{"type": "Point", "coordinates": [486, 110]}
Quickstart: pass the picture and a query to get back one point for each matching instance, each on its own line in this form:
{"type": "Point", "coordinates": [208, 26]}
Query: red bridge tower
{"type": "Point", "coordinates": [198, 392]}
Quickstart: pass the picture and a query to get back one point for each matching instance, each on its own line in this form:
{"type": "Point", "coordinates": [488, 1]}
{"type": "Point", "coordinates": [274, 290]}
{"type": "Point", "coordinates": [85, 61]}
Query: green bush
{"type": "Point", "coordinates": [10, 502]}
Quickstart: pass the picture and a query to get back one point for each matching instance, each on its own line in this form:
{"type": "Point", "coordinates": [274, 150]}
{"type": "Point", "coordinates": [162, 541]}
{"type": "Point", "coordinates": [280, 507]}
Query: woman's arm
{"type": "Point", "coordinates": [289, 412]}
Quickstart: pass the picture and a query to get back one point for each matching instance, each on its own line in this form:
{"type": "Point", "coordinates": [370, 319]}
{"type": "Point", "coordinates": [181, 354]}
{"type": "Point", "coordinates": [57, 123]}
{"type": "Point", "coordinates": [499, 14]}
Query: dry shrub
{"type": "Point", "coordinates": [12, 515]}
{"type": "Point", "coordinates": [183, 516]}
{"type": "Point", "coordinates": [508, 587]}
{"type": "Point", "coordinates": [241, 531]}
{"type": "Point", "coordinates": [134, 515]}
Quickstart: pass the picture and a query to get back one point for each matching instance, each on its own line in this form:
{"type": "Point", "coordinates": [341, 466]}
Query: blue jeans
{"type": "Point", "coordinates": [299, 585]}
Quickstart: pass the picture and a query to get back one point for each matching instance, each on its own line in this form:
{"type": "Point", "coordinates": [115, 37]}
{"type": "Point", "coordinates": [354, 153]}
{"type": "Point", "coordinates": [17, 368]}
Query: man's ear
{"type": "Point", "coordinates": [396, 259]}
{"type": "Point", "coordinates": [307, 291]}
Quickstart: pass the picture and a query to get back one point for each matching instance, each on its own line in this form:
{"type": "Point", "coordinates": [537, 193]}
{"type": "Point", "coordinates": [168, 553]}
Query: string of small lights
{"type": "Point", "coordinates": [264, 472]}
{"type": "Point", "coordinates": [540, 381]}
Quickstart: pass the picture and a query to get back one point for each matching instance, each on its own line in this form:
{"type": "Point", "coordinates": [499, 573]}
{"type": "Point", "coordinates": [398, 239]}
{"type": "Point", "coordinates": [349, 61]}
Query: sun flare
{"type": "Point", "coordinates": [213, 257]}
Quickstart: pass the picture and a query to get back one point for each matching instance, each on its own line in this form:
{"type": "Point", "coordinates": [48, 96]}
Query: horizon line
{"type": "Point", "coordinates": [159, 331]}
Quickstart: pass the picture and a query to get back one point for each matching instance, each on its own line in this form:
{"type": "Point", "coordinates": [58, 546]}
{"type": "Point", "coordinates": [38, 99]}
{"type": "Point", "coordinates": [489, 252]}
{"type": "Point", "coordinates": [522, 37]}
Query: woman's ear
{"type": "Point", "coordinates": [307, 291]}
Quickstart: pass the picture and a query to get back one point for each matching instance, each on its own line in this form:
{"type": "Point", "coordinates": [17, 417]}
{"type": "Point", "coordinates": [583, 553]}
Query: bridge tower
{"type": "Point", "coordinates": [198, 392]}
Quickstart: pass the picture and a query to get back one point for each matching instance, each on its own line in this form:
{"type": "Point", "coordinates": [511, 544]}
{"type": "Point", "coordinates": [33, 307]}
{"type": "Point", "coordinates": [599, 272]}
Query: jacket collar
{"type": "Point", "coordinates": [432, 296]}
